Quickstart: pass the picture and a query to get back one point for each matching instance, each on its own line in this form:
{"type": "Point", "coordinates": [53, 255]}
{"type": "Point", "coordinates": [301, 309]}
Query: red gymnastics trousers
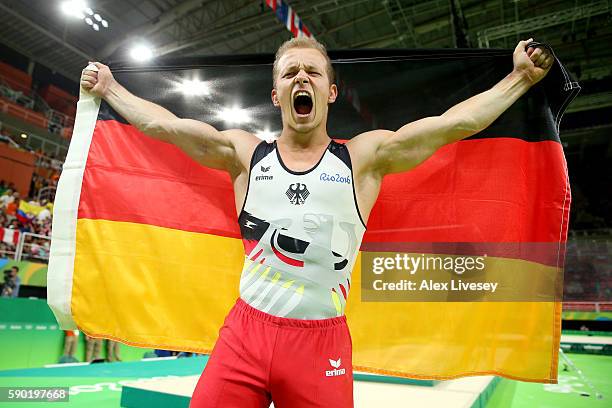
{"type": "Point", "coordinates": [261, 358]}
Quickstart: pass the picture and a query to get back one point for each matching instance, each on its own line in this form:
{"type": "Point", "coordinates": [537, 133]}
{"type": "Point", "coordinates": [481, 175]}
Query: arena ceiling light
{"type": "Point", "coordinates": [234, 115]}
{"type": "Point", "coordinates": [194, 87]}
{"type": "Point", "coordinates": [24, 136]}
{"type": "Point", "coordinates": [141, 52]}
{"type": "Point", "coordinates": [79, 9]}
{"type": "Point", "coordinates": [74, 8]}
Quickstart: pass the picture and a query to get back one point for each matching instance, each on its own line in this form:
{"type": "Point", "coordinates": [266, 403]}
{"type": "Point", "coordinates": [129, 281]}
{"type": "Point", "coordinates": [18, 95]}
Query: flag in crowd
{"type": "Point", "coordinates": [288, 16]}
{"type": "Point", "coordinates": [9, 236]}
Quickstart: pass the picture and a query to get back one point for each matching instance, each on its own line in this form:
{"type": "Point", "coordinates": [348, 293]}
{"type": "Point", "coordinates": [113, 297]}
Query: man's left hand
{"type": "Point", "coordinates": [533, 63]}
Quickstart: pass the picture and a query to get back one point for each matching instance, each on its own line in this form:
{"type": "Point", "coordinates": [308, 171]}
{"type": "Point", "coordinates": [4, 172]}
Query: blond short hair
{"type": "Point", "coordinates": [303, 42]}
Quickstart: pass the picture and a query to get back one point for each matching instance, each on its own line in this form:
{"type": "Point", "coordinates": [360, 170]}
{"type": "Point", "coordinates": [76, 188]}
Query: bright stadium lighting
{"type": "Point", "coordinates": [80, 10]}
{"type": "Point", "coordinates": [66, 8]}
{"type": "Point", "coordinates": [74, 8]}
{"type": "Point", "coordinates": [234, 115]}
{"type": "Point", "coordinates": [24, 136]}
{"type": "Point", "coordinates": [194, 87]}
{"type": "Point", "coordinates": [141, 53]}
{"type": "Point", "coordinates": [266, 135]}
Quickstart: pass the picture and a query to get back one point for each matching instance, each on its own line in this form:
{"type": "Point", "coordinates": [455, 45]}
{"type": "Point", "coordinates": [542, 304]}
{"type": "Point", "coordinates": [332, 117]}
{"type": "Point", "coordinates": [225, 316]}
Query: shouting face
{"type": "Point", "coordinates": [302, 89]}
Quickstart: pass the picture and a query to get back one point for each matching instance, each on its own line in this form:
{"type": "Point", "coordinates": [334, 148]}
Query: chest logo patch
{"type": "Point", "coordinates": [297, 193]}
{"type": "Point", "coordinates": [267, 177]}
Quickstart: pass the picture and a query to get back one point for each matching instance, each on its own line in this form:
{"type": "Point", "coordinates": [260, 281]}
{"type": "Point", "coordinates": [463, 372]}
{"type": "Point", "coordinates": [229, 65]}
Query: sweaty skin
{"type": "Point", "coordinates": [304, 138]}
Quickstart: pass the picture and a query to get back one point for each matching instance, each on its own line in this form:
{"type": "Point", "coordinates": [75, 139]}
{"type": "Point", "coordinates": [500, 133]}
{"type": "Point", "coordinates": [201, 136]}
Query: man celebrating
{"type": "Point", "coordinates": [303, 202]}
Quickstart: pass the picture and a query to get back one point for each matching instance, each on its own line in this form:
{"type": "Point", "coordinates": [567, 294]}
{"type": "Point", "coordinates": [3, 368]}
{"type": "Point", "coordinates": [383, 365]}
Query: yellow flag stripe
{"type": "Point", "coordinates": [119, 271]}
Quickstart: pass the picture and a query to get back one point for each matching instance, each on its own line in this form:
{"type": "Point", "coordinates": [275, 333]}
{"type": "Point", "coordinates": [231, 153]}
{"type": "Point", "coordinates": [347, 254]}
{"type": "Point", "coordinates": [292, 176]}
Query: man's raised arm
{"type": "Point", "coordinates": [394, 152]}
{"type": "Point", "coordinates": [201, 141]}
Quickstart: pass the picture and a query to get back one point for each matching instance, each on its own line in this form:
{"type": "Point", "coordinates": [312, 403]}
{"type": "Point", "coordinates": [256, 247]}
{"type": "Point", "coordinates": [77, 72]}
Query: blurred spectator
{"type": "Point", "coordinates": [112, 351]}
{"type": "Point", "coordinates": [70, 346]}
{"type": "Point", "coordinates": [15, 224]}
{"type": "Point", "coordinates": [94, 346]}
{"type": "Point", "coordinates": [12, 205]}
{"type": "Point", "coordinates": [44, 214]}
{"type": "Point", "coordinates": [36, 220]}
{"type": "Point", "coordinates": [38, 249]}
{"type": "Point", "coordinates": [7, 197]}
{"type": "Point", "coordinates": [11, 284]}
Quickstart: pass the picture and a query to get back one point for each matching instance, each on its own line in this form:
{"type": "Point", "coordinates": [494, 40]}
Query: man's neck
{"type": "Point", "coordinates": [293, 140]}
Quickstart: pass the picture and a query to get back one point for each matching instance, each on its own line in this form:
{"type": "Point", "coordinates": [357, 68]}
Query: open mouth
{"type": "Point", "coordinates": [302, 103]}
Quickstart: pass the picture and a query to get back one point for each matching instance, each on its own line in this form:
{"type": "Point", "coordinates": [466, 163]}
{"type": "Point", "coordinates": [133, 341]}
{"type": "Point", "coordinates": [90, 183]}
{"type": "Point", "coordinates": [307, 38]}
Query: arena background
{"type": "Point", "coordinates": [43, 49]}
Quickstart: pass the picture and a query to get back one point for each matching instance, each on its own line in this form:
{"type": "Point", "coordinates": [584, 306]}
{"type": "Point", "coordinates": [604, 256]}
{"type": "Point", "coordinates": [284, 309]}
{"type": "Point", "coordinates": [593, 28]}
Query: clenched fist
{"type": "Point", "coordinates": [533, 63]}
{"type": "Point", "coordinates": [96, 81]}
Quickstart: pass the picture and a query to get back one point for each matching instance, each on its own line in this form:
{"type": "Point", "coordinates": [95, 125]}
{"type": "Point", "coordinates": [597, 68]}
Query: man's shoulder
{"type": "Point", "coordinates": [241, 138]}
{"type": "Point", "coordinates": [363, 147]}
{"type": "Point", "coordinates": [238, 133]}
{"type": "Point", "coordinates": [369, 138]}
{"type": "Point", "coordinates": [244, 144]}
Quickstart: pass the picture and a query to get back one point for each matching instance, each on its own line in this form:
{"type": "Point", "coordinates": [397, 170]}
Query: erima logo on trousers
{"type": "Point", "coordinates": [337, 370]}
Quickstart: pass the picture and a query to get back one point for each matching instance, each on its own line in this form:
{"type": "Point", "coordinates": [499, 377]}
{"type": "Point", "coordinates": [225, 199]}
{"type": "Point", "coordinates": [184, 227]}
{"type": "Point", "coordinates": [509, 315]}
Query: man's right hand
{"type": "Point", "coordinates": [97, 83]}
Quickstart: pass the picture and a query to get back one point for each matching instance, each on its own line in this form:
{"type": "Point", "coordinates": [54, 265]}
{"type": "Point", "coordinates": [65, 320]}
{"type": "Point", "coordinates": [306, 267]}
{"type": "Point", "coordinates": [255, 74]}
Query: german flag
{"type": "Point", "coordinates": [146, 248]}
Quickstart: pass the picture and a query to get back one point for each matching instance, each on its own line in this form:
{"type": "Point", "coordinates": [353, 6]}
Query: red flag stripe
{"type": "Point", "coordinates": [455, 198]}
{"type": "Point", "coordinates": [9, 236]}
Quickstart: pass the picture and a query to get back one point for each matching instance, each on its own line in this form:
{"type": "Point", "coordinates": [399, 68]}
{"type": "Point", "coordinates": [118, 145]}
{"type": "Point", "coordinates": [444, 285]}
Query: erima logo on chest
{"type": "Point", "coordinates": [264, 170]}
